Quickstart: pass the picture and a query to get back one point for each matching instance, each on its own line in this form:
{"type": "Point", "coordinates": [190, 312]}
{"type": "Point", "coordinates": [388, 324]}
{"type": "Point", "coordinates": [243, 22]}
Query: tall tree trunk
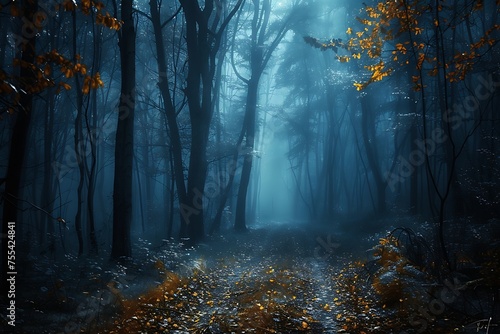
{"type": "Point", "coordinates": [415, 202]}
{"type": "Point", "coordinates": [199, 99]}
{"type": "Point", "coordinates": [79, 146]}
{"type": "Point", "coordinates": [124, 150]}
{"type": "Point", "coordinates": [92, 173]}
{"type": "Point", "coordinates": [250, 114]}
{"type": "Point", "coordinates": [18, 141]}
{"type": "Point", "coordinates": [171, 195]}
{"type": "Point", "coordinates": [170, 114]}
{"type": "Point", "coordinates": [196, 181]}
{"type": "Point", "coordinates": [204, 30]}
{"type": "Point", "coordinates": [369, 140]}
{"type": "Point", "coordinates": [146, 152]}
{"type": "Point", "coordinates": [49, 182]}
{"type": "Point", "coordinates": [47, 198]}
{"type": "Point", "coordinates": [91, 126]}
{"type": "Point", "coordinates": [259, 58]}
{"type": "Point", "coordinates": [3, 42]}
{"type": "Point", "coordinates": [227, 189]}
{"type": "Point", "coordinates": [220, 168]}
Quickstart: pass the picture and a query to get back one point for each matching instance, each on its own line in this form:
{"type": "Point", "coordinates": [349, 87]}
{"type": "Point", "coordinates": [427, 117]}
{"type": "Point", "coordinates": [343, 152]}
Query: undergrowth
{"type": "Point", "coordinates": [398, 292]}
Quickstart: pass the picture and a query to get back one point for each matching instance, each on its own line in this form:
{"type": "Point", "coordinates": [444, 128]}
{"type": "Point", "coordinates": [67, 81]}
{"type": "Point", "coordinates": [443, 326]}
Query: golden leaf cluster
{"type": "Point", "coordinates": [87, 7]}
{"type": "Point", "coordinates": [43, 69]}
{"type": "Point", "coordinates": [389, 22]}
{"type": "Point", "coordinates": [69, 69]}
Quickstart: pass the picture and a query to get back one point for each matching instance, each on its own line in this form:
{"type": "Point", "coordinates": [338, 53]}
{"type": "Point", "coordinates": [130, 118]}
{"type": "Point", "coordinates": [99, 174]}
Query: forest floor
{"type": "Point", "coordinates": [279, 279]}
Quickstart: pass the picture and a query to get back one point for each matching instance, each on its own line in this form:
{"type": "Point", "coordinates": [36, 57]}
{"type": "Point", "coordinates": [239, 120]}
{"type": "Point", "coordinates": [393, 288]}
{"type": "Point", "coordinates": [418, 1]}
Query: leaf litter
{"type": "Point", "coordinates": [265, 281]}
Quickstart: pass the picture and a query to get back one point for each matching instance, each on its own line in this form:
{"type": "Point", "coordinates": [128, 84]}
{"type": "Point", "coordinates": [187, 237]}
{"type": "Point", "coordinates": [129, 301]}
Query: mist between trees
{"type": "Point", "coordinates": [183, 120]}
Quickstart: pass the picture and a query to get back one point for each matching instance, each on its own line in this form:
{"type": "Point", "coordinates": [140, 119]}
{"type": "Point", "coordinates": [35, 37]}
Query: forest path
{"type": "Point", "coordinates": [316, 252]}
{"type": "Point", "coordinates": [273, 279]}
{"type": "Point", "coordinates": [282, 278]}
{"type": "Point", "coordinates": [305, 258]}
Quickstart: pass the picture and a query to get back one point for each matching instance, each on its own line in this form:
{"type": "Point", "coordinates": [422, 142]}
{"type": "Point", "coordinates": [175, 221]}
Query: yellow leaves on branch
{"type": "Point", "coordinates": [360, 86]}
{"type": "Point", "coordinates": [379, 71]}
{"type": "Point", "coordinates": [343, 59]}
{"type": "Point", "coordinates": [35, 83]}
{"type": "Point", "coordinates": [400, 48]}
{"type": "Point", "coordinates": [408, 17]}
{"type": "Point", "coordinates": [69, 5]}
{"type": "Point", "coordinates": [105, 19]}
{"type": "Point", "coordinates": [417, 86]}
{"type": "Point", "coordinates": [433, 72]}
{"type": "Point", "coordinates": [108, 21]}
{"type": "Point", "coordinates": [463, 62]}
{"type": "Point", "coordinates": [67, 67]}
{"type": "Point", "coordinates": [418, 30]}
{"type": "Point", "coordinates": [65, 86]}
{"type": "Point", "coordinates": [479, 5]}
{"type": "Point", "coordinates": [486, 40]}
{"type": "Point", "coordinates": [88, 7]}
{"type": "Point", "coordinates": [92, 82]}
{"type": "Point", "coordinates": [420, 61]}
{"type": "Point", "coordinates": [365, 43]}
{"type": "Point", "coordinates": [365, 21]}
{"type": "Point", "coordinates": [418, 46]}
{"type": "Point", "coordinates": [391, 19]}
{"type": "Point", "coordinates": [43, 70]}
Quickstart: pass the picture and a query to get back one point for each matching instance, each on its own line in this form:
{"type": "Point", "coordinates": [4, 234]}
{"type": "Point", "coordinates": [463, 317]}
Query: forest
{"type": "Point", "coordinates": [250, 166]}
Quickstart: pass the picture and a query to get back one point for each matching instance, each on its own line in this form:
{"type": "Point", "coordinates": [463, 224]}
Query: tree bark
{"type": "Point", "coordinates": [250, 115]}
{"type": "Point", "coordinates": [170, 112]}
{"type": "Point", "coordinates": [20, 131]}
{"type": "Point", "coordinates": [124, 150]}
{"type": "Point", "coordinates": [368, 131]}
{"type": "Point", "coordinates": [204, 29]}
{"type": "Point", "coordinates": [79, 147]}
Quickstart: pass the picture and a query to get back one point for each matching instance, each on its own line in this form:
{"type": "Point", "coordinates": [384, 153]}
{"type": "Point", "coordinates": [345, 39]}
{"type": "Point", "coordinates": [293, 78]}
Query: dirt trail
{"type": "Point", "coordinates": [275, 278]}
{"type": "Point", "coordinates": [311, 258]}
